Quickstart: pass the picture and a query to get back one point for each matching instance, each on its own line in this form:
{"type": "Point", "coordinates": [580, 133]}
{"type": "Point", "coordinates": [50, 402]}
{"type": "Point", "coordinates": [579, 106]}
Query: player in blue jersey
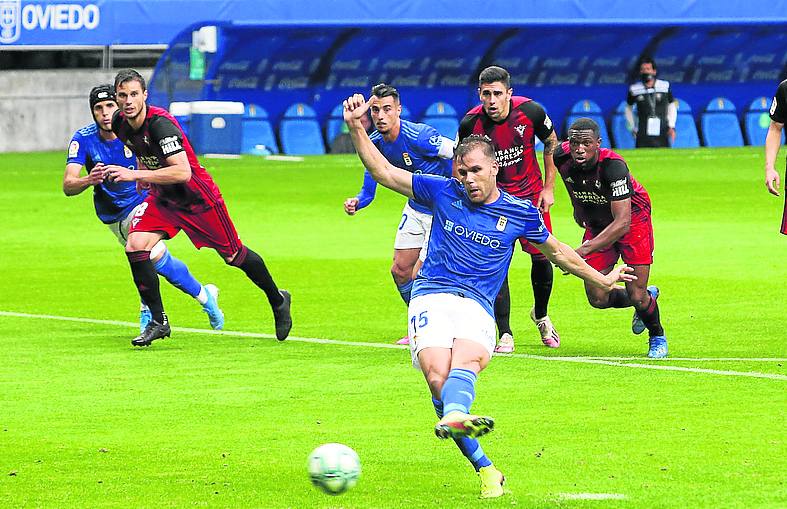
{"type": "Point", "coordinates": [417, 148]}
{"type": "Point", "coordinates": [95, 147]}
{"type": "Point", "coordinates": [451, 313]}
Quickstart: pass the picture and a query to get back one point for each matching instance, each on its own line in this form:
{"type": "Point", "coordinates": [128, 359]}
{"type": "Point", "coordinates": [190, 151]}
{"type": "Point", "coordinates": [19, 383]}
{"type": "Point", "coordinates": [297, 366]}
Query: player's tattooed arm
{"type": "Point", "coordinates": [547, 198]}
{"type": "Point", "coordinates": [550, 144]}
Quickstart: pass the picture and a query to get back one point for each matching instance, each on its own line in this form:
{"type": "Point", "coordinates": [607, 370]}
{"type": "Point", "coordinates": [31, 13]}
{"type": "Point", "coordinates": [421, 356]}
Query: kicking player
{"type": "Point", "coordinates": [614, 209]}
{"type": "Point", "coordinates": [451, 321]}
{"type": "Point", "coordinates": [94, 147]}
{"type": "Point", "coordinates": [512, 123]}
{"type": "Point", "coordinates": [182, 196]}
{"type": "Point", "coordinates": [773, 142]}
{"type": "Point", "coordinates": [417, 148]}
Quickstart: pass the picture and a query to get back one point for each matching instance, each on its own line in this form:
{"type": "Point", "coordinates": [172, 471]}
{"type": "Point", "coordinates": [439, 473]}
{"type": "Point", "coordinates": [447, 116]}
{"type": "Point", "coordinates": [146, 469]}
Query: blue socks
{"type": "Point", "coordinates": [469, 446]}
{"type": "Point", "coordinates": [176, 272]}
{"type": "Point", "coordinates": [458, 391]}
{"type": "Point", "coordinates": [404, 291]}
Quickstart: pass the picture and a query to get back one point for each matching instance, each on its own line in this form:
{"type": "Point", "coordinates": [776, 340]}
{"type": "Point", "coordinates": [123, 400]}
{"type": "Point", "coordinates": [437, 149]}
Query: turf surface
{"type": "Point", "coordinates": [228, 420]}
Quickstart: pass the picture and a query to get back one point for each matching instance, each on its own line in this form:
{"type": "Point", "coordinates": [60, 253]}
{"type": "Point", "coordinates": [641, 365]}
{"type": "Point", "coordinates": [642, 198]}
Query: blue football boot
{"type": "Point", "coordinates": [211, 307]}
{"type": "Point", "coordinates": [657, 347]}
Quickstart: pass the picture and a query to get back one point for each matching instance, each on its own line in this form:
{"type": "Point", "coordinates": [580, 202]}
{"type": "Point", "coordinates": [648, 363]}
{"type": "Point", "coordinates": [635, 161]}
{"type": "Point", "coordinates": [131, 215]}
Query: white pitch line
{"type": "Point", "coordinates": [622, 362]}
{"type": "Point", "coordinates": [689, 359]}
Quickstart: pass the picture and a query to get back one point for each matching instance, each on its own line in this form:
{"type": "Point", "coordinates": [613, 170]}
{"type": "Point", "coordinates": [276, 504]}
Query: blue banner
{"type": "Point", "coordinates": [108, 22]}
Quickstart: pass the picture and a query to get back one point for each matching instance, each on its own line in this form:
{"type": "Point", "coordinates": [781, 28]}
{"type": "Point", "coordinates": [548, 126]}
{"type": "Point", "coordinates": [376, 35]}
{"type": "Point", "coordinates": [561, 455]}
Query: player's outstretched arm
{"type": "Point", "coordinates": [567, 259]}
{"type": "Point", "coordinates": [773, 140]}
{"type": "Point", "coordinates": [383, 172]}
{"type": "Point", "coordinates": [73, 184]}
{"type": "Point", "coordinates": [176, 171]}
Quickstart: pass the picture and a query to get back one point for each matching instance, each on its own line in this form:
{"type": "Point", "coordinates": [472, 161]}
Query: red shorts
{"type": "Point", "coordinates": [212, 228]}
{"type": "Point", "coordinates": [635, 247]}
{"type": "Point", "coordinates": [784, 215]}
{"type": "Point", "coordinates": [527, 247]}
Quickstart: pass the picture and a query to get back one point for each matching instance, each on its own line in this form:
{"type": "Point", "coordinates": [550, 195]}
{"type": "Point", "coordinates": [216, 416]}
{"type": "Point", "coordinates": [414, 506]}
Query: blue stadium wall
{"type": "Point", "coordinates": [277, 65]}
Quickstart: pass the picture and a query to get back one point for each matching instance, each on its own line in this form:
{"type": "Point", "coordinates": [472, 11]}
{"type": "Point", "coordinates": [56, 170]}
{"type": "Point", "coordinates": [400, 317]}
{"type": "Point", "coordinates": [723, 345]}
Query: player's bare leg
{"type": "Point", "coordinates": [642, 298]}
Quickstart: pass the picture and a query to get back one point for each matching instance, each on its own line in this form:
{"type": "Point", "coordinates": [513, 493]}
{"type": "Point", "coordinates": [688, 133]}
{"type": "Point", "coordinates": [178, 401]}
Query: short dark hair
{"type": "Point", "coordinates": [473, 142]}
{"type": "Point", "coordinates": [646, 59]}
{"type": "Point", "coordinates": [381, 90]}
{"type": "Point", "coordinates": [493, 74]}
{"type": "Point", "coordinates": [585, 124]}
{"type": "Point", "coordinates": [126, 75]}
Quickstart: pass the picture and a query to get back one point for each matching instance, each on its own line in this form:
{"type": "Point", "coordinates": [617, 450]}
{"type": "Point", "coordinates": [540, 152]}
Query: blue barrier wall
{"type": "Point", "coordinates": [556, 65]}
{"type": "Point", "coordinates": [106, 22]}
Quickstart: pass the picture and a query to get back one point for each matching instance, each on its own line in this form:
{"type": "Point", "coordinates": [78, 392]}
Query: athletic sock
{"type": "Point", "coordinates": [619, 298]}
{"type": "Point", "coordinates": [145, 278]}
{"type": "Point", "coordinates": [468, 446]}
{"type": "Point", "coordinates": [503, 309]}
{"type": "Point", "coordinates": [251, 263]}
{"type": "Point", "coordinates": [541, 278]}
{"type": "Point", "coordinates": [458, 390]}
{"type": "Point", "coordinates": [202, 296]}
{"type": "Point", "coordinates": [404, 291]}
{"type": "Point", "coordinates": [177, 273]}
{"type": "Point", "coordinates": [651, 318]}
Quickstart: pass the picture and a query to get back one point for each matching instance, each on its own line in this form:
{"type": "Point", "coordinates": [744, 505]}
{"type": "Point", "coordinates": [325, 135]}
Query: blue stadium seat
{"type": "Point", "coordinates": [621, 136]}
{"type": "Point", "coordinates": [442, 116]}
{"type": "Point", "coordinates": [685, 128]}
{"type": "Point", "coordinates": [299, 131]}
{"type": "Point", "coordinates": [257, 133]}
{"type": "Point", "coordinates": [757, 120]}
{"type": "Point", "coordinates": [333, 127]}
{"type": "Point", "coordinates": [591, 110]}
{"type": "Point", "coordinates": [720, 127]}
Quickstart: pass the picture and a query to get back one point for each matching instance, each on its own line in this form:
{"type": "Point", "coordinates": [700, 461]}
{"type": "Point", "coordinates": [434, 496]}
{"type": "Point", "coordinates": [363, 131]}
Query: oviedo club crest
{"type": "Point", "coordinates": [10, 20]}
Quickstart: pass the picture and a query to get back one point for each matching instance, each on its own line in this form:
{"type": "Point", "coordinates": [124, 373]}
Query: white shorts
{"type": "Point", "coordinates": [436, 319]}
{"type": "Point", "coordinates": [120, 229]}
{"type": "Point", "coordinates": [413, 232]}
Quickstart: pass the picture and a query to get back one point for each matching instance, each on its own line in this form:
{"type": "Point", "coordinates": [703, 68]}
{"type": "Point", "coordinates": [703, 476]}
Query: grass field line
{"type": "Point", "coordinates": [626, 362]}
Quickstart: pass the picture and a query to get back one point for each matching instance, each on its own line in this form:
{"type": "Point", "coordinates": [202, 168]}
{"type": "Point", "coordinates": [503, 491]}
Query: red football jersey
{"type": "Point", "coordinates": [159, 137]}
{"type": "Point", "coordinates": [514, 141]}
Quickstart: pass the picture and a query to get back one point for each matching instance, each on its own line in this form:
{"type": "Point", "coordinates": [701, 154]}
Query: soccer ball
{"type": "Point", "coordinates": [334, 468]}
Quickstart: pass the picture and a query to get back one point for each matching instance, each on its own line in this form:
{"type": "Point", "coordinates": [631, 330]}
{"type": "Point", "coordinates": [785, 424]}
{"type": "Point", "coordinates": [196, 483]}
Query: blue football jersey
{"type": "Point", "coordinates": [415, 150]}
{"type": "Point", "coordinates": [471, 246]}
{"type": "Point", "coordinates": [113, 200]}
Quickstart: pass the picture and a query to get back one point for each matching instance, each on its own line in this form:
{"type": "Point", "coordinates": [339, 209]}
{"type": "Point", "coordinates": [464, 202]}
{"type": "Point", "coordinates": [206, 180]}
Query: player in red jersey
{"type": "Point", "coordinates": [614, 209]}
{"type": "Point", "coordinates": [772, 143]}
{"type": "Point", "coordinates": [182, 196]}
{"type": "Point", "coordinates": [512, 123]}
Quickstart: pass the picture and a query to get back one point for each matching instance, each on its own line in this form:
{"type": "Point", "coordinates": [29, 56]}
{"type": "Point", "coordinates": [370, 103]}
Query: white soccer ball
{"type": "Point", "coordinates": [334, 468]}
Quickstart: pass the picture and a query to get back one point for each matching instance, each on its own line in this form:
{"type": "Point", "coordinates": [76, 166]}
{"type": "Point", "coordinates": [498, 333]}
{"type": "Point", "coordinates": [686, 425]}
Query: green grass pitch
{"type": "Point", "coordinates": [206, 420]}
